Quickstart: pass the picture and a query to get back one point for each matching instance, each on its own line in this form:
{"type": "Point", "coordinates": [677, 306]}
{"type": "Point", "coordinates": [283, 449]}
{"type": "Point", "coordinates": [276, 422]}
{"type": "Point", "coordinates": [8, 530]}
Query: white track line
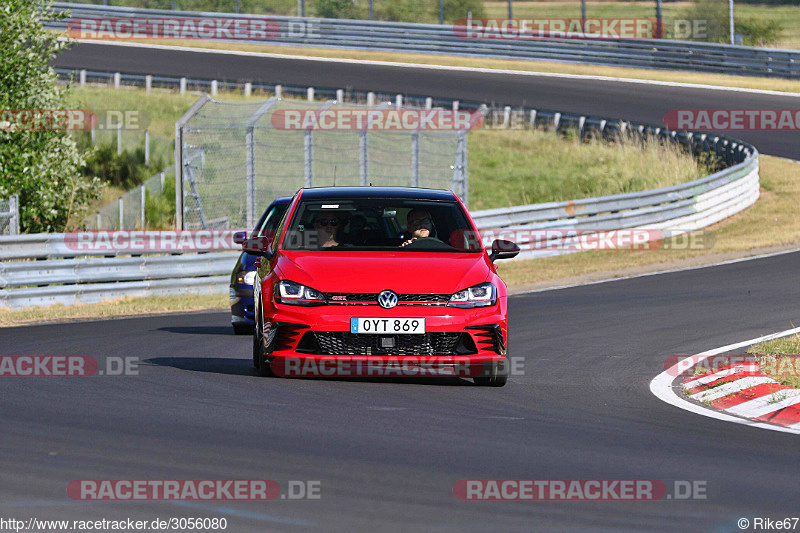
{"type": "Point", "coordinates": [661, 387]}
{"type": "Point", "coordinates": [440, 67]}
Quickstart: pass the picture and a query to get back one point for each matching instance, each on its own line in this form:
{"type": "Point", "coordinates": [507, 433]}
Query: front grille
{"type": "Point", "coordinates": [346, 343]}
{"type": "Point", "coordinates": [371, 298]}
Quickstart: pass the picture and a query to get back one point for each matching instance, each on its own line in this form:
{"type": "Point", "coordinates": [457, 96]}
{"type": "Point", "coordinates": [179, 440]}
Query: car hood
{"type": "Point", "coordinates": [402, 272]}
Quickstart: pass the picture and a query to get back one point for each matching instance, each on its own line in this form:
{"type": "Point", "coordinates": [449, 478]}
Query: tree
{"type": "Point", "coordinates": [41, 166]}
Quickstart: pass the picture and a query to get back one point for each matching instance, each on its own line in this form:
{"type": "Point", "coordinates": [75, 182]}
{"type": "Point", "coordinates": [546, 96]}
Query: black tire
{"type": "Point", "coordinates": [259, 350]}
{"type": "Point", "coordinates": [243, 329]}
{"type": "Point", "coordinates": [494, 376]}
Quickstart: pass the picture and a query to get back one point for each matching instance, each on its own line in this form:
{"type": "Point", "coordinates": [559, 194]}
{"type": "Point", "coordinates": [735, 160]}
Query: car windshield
{"type": "Point", "coordinates": [396, 224]}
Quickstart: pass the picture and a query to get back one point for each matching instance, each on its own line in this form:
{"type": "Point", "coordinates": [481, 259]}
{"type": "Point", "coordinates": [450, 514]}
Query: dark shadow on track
{"type": "Point", "coordinates": [214, 365]}
{"type": "Point", "coordinates": [199, 330]}
{"type": "Point", "coordinates": [244, 367]}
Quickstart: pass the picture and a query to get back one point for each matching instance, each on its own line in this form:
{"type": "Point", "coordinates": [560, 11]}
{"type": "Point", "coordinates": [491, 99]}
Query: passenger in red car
{"type": "Point", "coordinates": [327, 228]}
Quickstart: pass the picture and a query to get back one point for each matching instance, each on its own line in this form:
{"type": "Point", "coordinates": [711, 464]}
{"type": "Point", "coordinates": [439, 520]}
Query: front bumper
{"type": "Point", "coordinates": [316, 341]}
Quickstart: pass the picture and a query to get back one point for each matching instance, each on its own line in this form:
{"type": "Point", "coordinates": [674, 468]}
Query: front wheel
{"type": "Point", "coordinates": [496, 375]}
{"type": "Point", "coordinates": [259, 352]}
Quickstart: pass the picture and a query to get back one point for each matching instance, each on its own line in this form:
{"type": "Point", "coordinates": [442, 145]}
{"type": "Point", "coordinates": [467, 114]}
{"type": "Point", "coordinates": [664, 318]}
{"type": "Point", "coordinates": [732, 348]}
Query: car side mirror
{"type": "Point", "coordinates": [239, 237]}
{"type": "Point", "coordinates": [502, 249]}
{"type": "Point", "coordinates": [259, 246]}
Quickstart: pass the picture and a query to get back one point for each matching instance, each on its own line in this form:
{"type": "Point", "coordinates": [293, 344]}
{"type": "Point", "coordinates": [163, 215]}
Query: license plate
{"type": "Point", "coordinates": [387, 325]}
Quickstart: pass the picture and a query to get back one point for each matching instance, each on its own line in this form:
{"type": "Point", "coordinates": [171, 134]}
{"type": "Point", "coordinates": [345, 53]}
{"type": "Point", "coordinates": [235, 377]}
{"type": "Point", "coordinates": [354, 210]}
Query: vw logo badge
{"type": "Point", "coordinates": [387, 299]}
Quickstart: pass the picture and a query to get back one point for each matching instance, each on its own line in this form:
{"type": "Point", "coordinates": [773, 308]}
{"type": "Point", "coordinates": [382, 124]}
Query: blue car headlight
{"type": "Point", "coordinates": [291, 293]}
{"type": "Point", "coordinates": [482, 295]}
{"type": "Point", "coordinates": [246, 278]}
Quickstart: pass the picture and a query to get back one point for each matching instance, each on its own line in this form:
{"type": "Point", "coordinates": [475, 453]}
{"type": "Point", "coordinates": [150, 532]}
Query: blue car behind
{"type": "Point", "coordinates": [241, 288]}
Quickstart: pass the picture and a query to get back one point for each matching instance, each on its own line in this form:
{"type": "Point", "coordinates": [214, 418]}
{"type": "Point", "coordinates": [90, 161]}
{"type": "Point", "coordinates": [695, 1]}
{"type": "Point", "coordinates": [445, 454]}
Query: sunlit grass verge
{"type": "Point", "coordinates": [779, 359]}
{"type": "Point", "coordinates": [772, 224]}
{"type": "Point", "coordinates": [526, 167]}
{"type": "Point", "coordinates": [148, 305]}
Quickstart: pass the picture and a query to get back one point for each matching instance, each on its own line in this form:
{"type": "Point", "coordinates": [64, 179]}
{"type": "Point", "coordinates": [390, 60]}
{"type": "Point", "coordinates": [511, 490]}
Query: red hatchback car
{"type": "Point", "coordinates": [380, 281]}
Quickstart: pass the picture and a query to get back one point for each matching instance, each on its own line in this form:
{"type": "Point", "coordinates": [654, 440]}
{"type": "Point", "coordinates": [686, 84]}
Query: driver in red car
{"type": "Point", "coordinates": [327, 227]}
{"type": "Point", "coordinates": [419, 225]}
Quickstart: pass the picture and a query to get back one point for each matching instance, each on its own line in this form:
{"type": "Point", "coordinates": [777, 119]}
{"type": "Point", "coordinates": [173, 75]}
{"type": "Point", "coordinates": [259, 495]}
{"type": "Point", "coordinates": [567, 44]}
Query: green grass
{"type": "Point", "coordinates": [780, 359]}
{"type": "Point", "coordinates": [506, 167]}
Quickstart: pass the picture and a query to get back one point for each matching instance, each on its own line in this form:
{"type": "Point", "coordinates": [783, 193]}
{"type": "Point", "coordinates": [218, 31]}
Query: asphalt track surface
{"type": "Point", "coordinates": [636, 102]}
{"type": "Point", "coordinates": [387, 453]}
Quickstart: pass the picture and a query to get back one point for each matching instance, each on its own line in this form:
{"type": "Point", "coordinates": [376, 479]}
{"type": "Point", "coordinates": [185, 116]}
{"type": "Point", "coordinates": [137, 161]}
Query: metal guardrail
{"type": "Point", "coordinates": [444, 39]}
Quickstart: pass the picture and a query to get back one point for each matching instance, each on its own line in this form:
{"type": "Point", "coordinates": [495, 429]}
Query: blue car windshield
{"type": "Point", "coordinates": [381, 224]}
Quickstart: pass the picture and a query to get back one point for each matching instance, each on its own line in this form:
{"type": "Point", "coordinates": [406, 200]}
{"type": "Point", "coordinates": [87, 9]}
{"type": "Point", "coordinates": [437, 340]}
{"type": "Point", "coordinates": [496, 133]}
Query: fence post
{"type": "Point", "coordinates": [363, 157]}
{"type": "Point", "coordinates": [461, 172]}
{"type": "Point", "coordinates": [121, 218]}
{"type": "Point", "coordinates": [144, 193]}
{"type": "Point", "coordinates": [148, 83]}
{"type": "Point", "coordinates": [146, 148]}
{"type": "Point", "coordinates": [119, 138]}
{"type": "Point", "coordinates": [308, 151]}
{"type": "Point", "coordinates": [162, 182]}
{"type": "Point", "coordinates": [97, 221]}
{"type": "Point", "coordinates": [415, 159]}
{"type": "Point", "coordinates": [13, 206]}
{"type": "Point", "coordinates": [92, 133]}
{"type": "Point", "coordinates": [250, 176]}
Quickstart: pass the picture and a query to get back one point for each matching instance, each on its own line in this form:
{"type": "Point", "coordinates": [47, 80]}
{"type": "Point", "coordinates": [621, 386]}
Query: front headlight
{"type": "Point", "coordinates": [246, 278]}
{"type": "Point", "coordinates": [291, 293]}
{"type": "Point", "coordinates": [482, 295]}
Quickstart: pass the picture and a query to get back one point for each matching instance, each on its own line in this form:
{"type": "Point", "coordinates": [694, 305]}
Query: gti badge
{"type": "Point", "coordinates": [387, 299]}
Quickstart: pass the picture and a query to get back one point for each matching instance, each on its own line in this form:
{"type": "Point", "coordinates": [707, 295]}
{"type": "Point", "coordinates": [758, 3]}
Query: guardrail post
{"type": "Point", "coordinates": [339, 95]}
{"type": "Point", "coordinates": [429, 103]}
{"type": "Point", "coordinates": [121, 211]}
{"type": "Point", "coordinates": [415, 159]}
{"type": "Point", "coordinates": [533, 119]}
{"type": "Point", "coordinates": [248, 89]}
{"type": "Point", "coordinates": [117, 79]}
{"type": "Point", "coordinates": [455, 105]}
{"type": "Point", "coordinates": [278, 91]}
{"type": "Point", "coordinates": [308, 163]}
{"type": "Point", "coordinates": [507, 116]}
{"type": "Point", "coordinates": [370, 98]}
{"type": "Point", "coordinates": [146, 148]}
{"type": "Point", "coordinates": [363, 157]}
{"type": "Point", "coordinates": [310, 94]}
{"type": "Point", "coordinates": [556, 121]}
{"type": "Point", "coordinates": [398, 101]}
{"type": "Point", "coordinates": [97, 221]}
{"type": "Point", "coordinates": [582, 128]}
{"type": "Point", "coordinates": [162, 181]}
{"type": "Point", "coordinates": [82, 77]}
{"type": "Point", "coordinates": [214, 87]}
{"type": "Point", "coordinates": [13, 206]}
{"type": "Point", "coordinates": [183, 86]}
{"type": "Point", "coordinates": [148, 83]}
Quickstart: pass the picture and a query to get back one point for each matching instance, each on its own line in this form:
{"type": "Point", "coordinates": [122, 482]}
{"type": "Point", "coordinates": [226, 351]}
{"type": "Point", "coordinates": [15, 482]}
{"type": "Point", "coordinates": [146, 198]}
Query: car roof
{"type": "Point", "coordinates": [281, 200]}
{"type": "Point", "coordinates": [412, 193]}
